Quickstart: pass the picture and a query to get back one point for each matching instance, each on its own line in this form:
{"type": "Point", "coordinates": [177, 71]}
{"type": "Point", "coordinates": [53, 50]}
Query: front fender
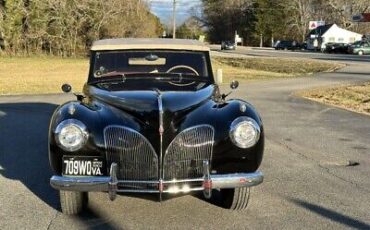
{"type": "Point", "coordinates": [96, 117]}
{"type": "Point", "coordinates": [228, 158]}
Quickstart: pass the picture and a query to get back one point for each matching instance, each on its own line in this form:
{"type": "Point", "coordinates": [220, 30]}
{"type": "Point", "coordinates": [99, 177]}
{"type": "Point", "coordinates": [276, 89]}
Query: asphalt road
{"type": "Point", "coordinates": [268, 52]}
{"type": "Point", "coordinates": [307, 183]}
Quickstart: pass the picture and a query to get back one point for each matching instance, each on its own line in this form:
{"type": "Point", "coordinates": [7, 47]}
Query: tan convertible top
{"type": "Point", "coordinates": [148, 43]}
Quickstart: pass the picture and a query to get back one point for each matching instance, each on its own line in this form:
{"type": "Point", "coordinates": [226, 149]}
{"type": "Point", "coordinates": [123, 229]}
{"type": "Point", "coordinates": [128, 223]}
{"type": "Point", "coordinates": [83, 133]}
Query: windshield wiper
{"type": "Point", "coordinates": [121, 78]}
{"type": "Point", "coordinates": [111, 78]}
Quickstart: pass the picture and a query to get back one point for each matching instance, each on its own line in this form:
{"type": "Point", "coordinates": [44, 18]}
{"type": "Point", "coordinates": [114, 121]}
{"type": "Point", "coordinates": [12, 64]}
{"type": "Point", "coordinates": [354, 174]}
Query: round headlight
{"type": "Point", "coordinates": [71, 135]}
{"type": "Point", "coordinates": [244, 132]}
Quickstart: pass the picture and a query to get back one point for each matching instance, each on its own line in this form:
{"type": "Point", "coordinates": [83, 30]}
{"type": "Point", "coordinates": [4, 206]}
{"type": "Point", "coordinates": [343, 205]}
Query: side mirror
{"type": "Point", "coordinates": [234, 84]}
{"type": "Point", "coordinates": [66, 88]}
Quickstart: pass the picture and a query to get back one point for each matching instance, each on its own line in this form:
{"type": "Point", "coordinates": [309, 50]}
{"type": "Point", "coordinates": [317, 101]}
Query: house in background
{"type": "Point", "coordinates": [331, 33]}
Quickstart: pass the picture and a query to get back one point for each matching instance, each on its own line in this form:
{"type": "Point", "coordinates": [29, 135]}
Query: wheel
{"type": "Point", "coordinates": [73, 203]}
{"type": "Point", "coordinates": [360, 52]}
{"type": "Point", "coordinates": [236, 198]}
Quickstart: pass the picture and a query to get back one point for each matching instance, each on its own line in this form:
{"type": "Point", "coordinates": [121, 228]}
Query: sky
{"type": "Point", "coordinates": [163, 9]}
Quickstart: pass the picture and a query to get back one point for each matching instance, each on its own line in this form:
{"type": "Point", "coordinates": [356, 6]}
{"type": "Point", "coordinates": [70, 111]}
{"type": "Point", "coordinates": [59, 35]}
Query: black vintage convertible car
{"type": "Point", "coordinates": [151, 119]}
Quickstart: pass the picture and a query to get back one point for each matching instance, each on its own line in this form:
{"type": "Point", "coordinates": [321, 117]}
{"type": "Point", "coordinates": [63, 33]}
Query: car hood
{"type": "Point", "coordinates": [144, 104]}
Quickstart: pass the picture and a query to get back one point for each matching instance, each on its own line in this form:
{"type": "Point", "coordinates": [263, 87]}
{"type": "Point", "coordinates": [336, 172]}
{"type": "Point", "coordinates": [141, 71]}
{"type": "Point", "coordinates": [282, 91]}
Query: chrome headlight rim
{"type": "Point", "coordinates": [77, 124]}
{"type": "Point", "coordinates": [242, 121]}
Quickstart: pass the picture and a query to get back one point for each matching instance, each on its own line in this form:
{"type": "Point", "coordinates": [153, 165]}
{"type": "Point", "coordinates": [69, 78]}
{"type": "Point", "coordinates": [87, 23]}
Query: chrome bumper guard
{"type": "Point", "coordinates": [111, 184]}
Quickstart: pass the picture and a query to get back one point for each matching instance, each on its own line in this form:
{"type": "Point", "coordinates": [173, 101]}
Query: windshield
{"type": "Point", "coordinates": [110, 63]}
{"type": "Point", "coordinates": [358, 43]}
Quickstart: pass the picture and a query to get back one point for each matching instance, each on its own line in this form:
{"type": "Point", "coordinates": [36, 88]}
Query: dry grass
{"type": "Point", "coordinates": [243, 74]}
{"type": "Point", "coordinates": [280, 65]}
{"type": "Point", "coordinates": [354, 97]}
{"type": "Point", "coordinates": [41, 75]}
{"type": "Point", "coordinates": [270, 68]}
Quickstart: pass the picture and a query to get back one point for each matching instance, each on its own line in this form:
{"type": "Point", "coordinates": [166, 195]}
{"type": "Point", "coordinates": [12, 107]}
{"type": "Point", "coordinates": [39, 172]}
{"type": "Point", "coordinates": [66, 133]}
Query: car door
{"type": "Point", "coordinates": [366, 48]}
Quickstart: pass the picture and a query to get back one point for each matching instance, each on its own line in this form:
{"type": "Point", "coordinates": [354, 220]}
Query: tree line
{"type": "Point", "coordinates": [68, 27]}
{"type": "Point", "coordinates": [266, 20]}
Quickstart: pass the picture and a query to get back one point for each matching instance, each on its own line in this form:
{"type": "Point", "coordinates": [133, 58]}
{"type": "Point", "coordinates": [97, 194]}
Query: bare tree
{"type": "Point", "coordinates": [224, 17]}
{"type": "Point", "coordinates": [343, 10]}
{"type": "Point", "coordinates": [67, 28]}
{"type": "Point", "coordinates": [302, 12]}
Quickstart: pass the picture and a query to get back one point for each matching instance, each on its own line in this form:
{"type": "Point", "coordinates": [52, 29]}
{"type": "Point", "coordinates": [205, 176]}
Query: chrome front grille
{"type": "Point", "coordinates": [138, 164]}
{"type": "Point", "coordinates": [135, 156]}
{"type": "Point", "coordinates": [185, 155]}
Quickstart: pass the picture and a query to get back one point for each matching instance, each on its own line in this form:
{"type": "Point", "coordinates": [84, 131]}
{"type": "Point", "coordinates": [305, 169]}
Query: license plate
{"type": "Point", "coordinates": [83, 166]}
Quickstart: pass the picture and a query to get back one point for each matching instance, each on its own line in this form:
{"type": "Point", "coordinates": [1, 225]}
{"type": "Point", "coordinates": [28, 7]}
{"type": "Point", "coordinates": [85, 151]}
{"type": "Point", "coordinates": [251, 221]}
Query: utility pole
{"type": "Point", "coordinates": [174, 20]}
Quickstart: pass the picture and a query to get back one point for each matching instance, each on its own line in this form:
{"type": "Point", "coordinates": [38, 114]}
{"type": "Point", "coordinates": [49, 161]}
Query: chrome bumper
{"type": "Point", "coordinates": [111, 184]}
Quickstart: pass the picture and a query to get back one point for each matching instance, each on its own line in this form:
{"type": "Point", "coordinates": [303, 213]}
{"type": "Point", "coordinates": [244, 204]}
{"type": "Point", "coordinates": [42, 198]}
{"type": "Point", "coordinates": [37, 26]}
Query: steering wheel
{"type": "Point", "coordinates": [182, 67]}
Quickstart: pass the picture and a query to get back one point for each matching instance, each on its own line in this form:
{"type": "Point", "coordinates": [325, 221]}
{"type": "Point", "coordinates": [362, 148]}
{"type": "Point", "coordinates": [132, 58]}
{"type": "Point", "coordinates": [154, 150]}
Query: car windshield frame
{"type": "Point", "coordinates": [207, 68]}
{"type": "Point", "coordinates": [359, 44]}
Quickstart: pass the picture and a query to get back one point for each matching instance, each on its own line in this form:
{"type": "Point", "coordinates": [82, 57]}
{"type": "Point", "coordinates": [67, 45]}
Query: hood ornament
{"type": "Point", "coordinates": [161, 131]}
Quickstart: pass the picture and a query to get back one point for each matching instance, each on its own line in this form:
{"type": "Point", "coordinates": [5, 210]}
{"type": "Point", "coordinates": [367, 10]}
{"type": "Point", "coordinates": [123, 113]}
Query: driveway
{"type": "Point", "coordinates": [308, 183]}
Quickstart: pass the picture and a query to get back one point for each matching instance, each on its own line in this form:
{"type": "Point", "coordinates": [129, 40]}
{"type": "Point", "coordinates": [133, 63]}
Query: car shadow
{"type": "Point", "coordinates": [331, 214]}
{"type": "Point", "coordinates": [94, 221]}
{"type": "Point", "coordinates": [24, 149]}
{"type": "Point", "coordinates": [24, 155]}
